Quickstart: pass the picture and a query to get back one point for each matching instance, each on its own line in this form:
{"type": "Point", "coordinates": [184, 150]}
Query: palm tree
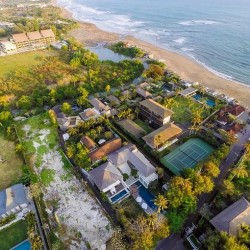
{"type": "Point", "coordinates": [72, 131]}
{"type": "Point", "coordinates": [240, 172]}
{"type": "Point", "coordinates": [161, 202]}
{"type": "Point", "coordinates": [152, 220]}
{"type": "Point", "coordinates": [99, 130]}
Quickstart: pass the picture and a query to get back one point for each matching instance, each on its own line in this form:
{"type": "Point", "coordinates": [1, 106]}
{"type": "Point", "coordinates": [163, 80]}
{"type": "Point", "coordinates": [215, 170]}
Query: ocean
{"type": "Point", "coordinates": [215, 33]}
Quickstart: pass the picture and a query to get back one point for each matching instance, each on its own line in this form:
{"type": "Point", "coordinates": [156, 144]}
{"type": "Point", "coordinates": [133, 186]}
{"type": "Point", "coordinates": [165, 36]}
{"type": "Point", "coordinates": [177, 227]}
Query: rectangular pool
{"type": "Point", "coordinates": [119, 196]}
{"type": "Point", "coordinates": [146, 195]}
{"type": "Point", "coordinates": [25, 245]}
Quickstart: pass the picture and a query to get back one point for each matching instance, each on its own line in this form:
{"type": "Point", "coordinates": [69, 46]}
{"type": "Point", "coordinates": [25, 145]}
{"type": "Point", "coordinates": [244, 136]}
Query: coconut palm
{"type": "Point", "coordinates": [240, 172]}
{"type": "Point", "coordinates": [161, 202]}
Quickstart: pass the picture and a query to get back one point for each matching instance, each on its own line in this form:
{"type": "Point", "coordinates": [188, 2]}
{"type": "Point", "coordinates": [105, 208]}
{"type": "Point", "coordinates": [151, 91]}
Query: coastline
{"type": "Point", "coordinates": [188, 69]}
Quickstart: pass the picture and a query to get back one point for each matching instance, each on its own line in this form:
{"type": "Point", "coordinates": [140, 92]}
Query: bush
{"type": "Point", "coordinates": [8, 219]}
{"type": "Point", "coordinates": [125, 176]}
{"type": "Point", "coordinates": [134, 172]}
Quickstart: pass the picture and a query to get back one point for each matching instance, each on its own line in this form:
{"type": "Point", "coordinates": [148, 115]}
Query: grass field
{"type": "Point", "coordinates": [183, 108]}
{"type": "Point", "coordinates": [10, 167]}
{"type": "Point", "coordinates": [13, 235]}
{"type": "Point", "coordinates": [24, 60]}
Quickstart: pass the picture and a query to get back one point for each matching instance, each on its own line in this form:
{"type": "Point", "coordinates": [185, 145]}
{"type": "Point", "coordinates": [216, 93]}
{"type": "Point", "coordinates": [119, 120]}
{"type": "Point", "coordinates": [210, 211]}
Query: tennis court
{"type": "Point", "coordinates": [187, 155]}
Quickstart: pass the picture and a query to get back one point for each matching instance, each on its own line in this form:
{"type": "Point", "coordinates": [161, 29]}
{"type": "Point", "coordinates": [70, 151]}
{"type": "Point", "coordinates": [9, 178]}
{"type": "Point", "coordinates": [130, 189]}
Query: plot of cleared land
{"type": "Point", "coordinates": [24, 60]}
{"type": "Point", "coordinates": [132, 128]}
{"type": "Point", "coordinates": [13, 235]}
{"type": "Point", "coordinates": [76, 209]}
{"type": "Point", "coordinates": [10, 163]}
{"type": "Point", "coordinates": [188, 155]}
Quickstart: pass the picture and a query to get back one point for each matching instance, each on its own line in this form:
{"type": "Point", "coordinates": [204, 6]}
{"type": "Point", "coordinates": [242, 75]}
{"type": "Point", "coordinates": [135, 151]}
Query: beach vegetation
{"type": "Point", "coordinates": [125, 49]}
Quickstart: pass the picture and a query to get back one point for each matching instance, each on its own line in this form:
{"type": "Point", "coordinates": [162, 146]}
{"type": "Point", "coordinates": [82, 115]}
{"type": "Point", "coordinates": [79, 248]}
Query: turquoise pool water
{"type": "Point", "coordinates": [209, 102]}
{"type": "Point", "coordinates": [25, 245]}
{"type": "Point", "coordinates": [119, 196]}
{"type": "Point", "coordinates": [146, 195]}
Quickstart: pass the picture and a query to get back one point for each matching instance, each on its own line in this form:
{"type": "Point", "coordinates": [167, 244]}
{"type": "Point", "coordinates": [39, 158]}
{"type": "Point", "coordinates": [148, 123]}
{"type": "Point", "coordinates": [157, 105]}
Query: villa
{"type": "Point", "coordinates": [88, 143]}
{"type": "Point", "coordinates": [230, 219]}
{"type": "Point", "coordinates": [129, 161]}
{"type": "Point", "coordinates": [143, 93]}
{"type": "Point", "coordinates": [163, 136]}
{"type": "Point", "coordinates": [101, 107]}
{"type": "Point", "coordinates": [90, 113]}
{"type": "Point", "coordinates": [113, 100]}
{"type": "Point", "coordinates": [12, 200]}
{"type": "Point", "coordinates": [154, 113]}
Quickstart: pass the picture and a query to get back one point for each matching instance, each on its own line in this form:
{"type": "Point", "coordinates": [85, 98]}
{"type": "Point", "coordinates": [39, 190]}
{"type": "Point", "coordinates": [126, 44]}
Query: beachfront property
{"type": "Point", "coordinates": [13, 200]}
{"type": "Point", "coordinates": [29, 41]}
{"type": "Point", "coordinates": [156, 114]}
{"type": "Point", "coordinates": [230, 219]}
{"type": "Point", "coordinates": [163, 137]}
{"type": "Point", "coordinates": [188, 92]}
{"type": "Point", "coordinates": [126, 161]}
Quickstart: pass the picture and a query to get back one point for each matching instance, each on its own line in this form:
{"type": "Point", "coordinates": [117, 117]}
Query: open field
{"type": "Point", "coordinates": [13, 235]}
{"type": "Point", "coordinates": [10, 163]}
{"type": "Point", "coordinates": [63, 193]}
{"type": "Point", "coordinates": [24, 60]}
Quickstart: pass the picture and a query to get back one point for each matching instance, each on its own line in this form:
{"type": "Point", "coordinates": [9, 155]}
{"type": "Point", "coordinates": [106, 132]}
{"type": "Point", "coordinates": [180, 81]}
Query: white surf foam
{"type": "Point", "coordinates": [198, 22]}
{"type": "Point", "coordinates": [186, 49]}
{"type": "Point", "coordinates": [180, 40]}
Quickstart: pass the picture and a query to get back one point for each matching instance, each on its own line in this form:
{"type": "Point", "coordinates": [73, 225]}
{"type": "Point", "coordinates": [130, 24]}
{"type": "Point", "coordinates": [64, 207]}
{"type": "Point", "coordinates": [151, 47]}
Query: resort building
{"type": "Point", "coordinates": [12, 200]}
{"type": "Point", "coordinates": [101, 107]}
{"type": "Point", "coordinates": [90, 113]}
{"type": "Point", "coordinates": [126, 161]}
{"type": "Point", "coordinates": [8, 48]}
{"type": "Point", "coordinates": [88, 143]}
{"type": "Point", "coordinates": [113, 100]}
{"type": "Point", "coordinates": [129, 158]}
{"type": "Point", "coordinates": [143, 93]}
{"type": "Point", "coordinates": [156, 114]}
{"type": "Point", "coordinates": [105, 149]}
{"type": "Point", "coordinates": [163, 136]}
{"type": "Point", "coordinates": [28, 41]}
{"type": "Point", "coordinates": [230, 219]}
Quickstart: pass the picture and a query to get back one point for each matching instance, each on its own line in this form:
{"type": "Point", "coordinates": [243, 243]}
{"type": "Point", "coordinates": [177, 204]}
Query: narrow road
{"type": "Point", "coordinates": [174, 242]}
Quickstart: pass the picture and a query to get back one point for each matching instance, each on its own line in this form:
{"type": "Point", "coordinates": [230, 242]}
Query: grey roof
{"type": "Point", "coordinates": [105, 175]}
{"type": "Point", "coordinates": [99, 105]}
{"type": "Point", "coordinates": [230, 219]}
{"type": "Point", "coordinates": [133, 156]}
{"type": "Point", "coordinates": [188, 91]}
{"type": "Point", "coordinates": [12, 197]}
{"type": "Point", "coordinates": [143, 93]}
{"type": "Point", "coordinates": [113, 99]}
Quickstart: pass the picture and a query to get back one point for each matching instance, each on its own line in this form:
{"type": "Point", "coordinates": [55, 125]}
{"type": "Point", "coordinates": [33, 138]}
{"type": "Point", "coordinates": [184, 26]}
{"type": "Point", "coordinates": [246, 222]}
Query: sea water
{"type": "Point", "coordinates": [215, 33]}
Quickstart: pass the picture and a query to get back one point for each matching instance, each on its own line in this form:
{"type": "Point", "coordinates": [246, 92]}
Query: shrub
{"type": "Point", "coordinates": [125, 176]}
{"type": "Point", "coordinates": [7, 219]}
{"type": "Point", "coordinates": [134, 172]}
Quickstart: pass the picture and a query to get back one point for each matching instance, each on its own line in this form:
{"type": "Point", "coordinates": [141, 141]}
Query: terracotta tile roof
{"type": "Point", "coordinates": [156, 108]}
{"type": "Point", "coordinates": [89, 113]}
{"type": "Point", "coordinates": [162, 135]}
{"type": "Point", "coordinates": [47, 33]}
{"type": "Point", "coordinates": [88, 142]}
{"type": "Point", "coordinates": [105, 149]}
{"type": "Point", "coordinates": [35, 35]}
{"type": "Point", "coordinates": [20, 38]}
{"type": "Point", "coordinates": [232, 217]}
{"type": "Point", "coordinates": [236, 127]}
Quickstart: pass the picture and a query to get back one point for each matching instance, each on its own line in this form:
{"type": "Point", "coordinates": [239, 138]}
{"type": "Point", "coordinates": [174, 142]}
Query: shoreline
{"type": "Point", "coordinates": [185, 67]}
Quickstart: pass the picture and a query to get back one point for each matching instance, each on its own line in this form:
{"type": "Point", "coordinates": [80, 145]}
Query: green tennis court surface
{"type": "Point", "coordinates": [187, 155]}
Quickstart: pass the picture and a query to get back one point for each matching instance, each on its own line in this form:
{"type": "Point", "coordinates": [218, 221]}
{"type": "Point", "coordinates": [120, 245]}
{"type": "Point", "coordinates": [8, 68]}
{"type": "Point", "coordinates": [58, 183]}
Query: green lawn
{"type": "Point", "coordinates": [183, 108]}
{"type": "Point", "coordinates": [144, 126]}
{"type": "Point", "coordinates": [10, 165]}
{"type": "Point", "coordinates": [13, 235]}
{"type": "Point", "coordinates": [24, 60]}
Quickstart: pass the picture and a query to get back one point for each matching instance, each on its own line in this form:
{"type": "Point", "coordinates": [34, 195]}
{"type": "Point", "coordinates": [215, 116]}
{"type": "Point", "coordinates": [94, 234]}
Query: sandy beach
{"type": "Point", "coordinates": [90, 35]}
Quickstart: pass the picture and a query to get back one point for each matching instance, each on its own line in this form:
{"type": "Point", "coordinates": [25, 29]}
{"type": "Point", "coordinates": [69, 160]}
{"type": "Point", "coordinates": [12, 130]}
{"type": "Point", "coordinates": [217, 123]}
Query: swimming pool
{"type": "Point", "coordinates": [146, 195]}
{"type": "Point", "coordinates": [209, 102]}
{"type": "Point", "coordinates": [119, 196]}
{"type": "Point", "coordinates": [25, 245]}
